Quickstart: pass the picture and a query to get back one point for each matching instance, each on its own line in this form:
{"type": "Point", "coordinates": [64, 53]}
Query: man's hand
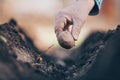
{"type": "Point", "coordinates": [74, 15]}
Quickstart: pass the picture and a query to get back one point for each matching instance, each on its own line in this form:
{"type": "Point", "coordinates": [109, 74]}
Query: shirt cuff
{"type": "Point", "coordinates": [96, 7]}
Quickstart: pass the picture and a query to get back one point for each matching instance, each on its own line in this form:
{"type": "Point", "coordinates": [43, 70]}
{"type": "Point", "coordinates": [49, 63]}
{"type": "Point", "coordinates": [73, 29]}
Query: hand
{"type": "Point", "coordinates": [74, 15]}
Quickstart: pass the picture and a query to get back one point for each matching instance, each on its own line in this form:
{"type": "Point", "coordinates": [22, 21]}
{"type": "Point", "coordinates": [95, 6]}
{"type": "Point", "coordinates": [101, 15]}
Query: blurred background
{"type": "Point", "coordinates": [37, 17]}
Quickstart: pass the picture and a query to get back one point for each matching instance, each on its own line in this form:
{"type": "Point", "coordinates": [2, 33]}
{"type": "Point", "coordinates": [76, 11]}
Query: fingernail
{"type": "Point", "coordinates": [75, 37]}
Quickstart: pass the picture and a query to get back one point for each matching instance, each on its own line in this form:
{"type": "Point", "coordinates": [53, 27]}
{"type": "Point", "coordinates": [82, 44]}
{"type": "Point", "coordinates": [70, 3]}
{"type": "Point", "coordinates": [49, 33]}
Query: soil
{"type": "Point", "coordinates": [97, 59]}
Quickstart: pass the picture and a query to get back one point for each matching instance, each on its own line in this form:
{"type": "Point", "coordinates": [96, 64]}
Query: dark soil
{"type": "Point", "coordinates": [97, 59]}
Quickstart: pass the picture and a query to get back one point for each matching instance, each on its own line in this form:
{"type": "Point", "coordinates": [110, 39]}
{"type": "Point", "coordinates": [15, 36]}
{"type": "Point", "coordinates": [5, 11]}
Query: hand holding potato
{"type": "Point", "coordinates": [74, 15]}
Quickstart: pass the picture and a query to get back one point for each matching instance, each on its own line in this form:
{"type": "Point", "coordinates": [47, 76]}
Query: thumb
{"type": "Point", "coordinates": [77, 24]}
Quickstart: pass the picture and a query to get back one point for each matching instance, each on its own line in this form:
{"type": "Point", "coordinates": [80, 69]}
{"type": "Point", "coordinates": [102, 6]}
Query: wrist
{"type": "Point", "coordinates": [88, 3]}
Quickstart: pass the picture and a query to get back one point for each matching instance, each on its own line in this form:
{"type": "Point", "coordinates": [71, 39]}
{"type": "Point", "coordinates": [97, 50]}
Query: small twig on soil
{"type": "Point", "coordinates": [49, 48]}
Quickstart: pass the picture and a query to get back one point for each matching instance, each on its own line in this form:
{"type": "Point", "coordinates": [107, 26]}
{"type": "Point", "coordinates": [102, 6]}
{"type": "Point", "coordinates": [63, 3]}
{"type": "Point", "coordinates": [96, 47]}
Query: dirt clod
{"type": "Point", "coordinates": [98, 58]}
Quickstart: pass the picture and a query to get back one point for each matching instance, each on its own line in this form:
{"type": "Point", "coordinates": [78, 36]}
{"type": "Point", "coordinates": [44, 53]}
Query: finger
{"type": "Point", "coordinates": [77, 24]}
{"type": "Point", "coordinates": [60, 23]}
{"type": "Point", "coordinates": [68, 24]}
{"type": "Point", "coordinates": [68, 27]}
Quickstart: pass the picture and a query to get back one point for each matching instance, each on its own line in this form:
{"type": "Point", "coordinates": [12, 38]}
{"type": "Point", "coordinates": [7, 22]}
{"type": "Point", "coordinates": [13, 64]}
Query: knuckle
{"type": "Point", "coordinates": [62, 14]}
